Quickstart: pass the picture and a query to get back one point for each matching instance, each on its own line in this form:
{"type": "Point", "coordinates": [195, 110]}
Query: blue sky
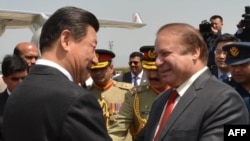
{"type": "Point", "coordinates": [154, 13]}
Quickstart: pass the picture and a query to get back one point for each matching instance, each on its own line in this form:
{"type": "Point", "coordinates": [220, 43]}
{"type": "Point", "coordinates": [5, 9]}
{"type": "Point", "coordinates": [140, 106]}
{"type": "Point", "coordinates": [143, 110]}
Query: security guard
{"type": "Point", "coordinates": [135, 110]}
{"type": "Point", "coordinates": [110, 94]}
{"type": "Point", "coordinates": [238, 59]}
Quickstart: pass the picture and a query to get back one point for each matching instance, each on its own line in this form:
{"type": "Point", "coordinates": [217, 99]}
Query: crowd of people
{"type": "Point", "coordinates": [185, 87]}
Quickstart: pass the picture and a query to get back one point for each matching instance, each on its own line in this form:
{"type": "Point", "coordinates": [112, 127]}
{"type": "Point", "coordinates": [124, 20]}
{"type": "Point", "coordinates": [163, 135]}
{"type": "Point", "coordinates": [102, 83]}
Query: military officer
{"type": "Point", "coordinates": [109, 93]}
{"type": "Point", "coordinates": [135, 110]}
{"type": "Point", "coordinates": [238, 59]}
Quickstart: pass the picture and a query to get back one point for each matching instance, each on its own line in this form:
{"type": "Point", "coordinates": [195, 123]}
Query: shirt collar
{"type": "Point", "coordinates": [183, 87]}
{"type": "Point", "coordinates": [8, 92]}
{"type": "Point", "coordinates": [220, 73]}
{"type": "Point", "coordinates": [138, 76]}
{"type": "Point", "coordinates": [54, 65]}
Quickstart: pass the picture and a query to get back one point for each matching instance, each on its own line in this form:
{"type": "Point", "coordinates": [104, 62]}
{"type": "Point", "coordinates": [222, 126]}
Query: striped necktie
{"type": "Point", "coordinates": [135, 80]}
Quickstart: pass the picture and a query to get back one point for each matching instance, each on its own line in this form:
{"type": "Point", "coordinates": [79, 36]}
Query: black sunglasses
{"type": "Point", "coordinates": [133, 62]}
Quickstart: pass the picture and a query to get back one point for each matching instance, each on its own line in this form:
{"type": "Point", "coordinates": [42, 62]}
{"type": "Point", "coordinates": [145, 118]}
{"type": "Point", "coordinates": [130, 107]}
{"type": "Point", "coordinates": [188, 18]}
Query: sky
{"type": "Point", "coordinates": [155, 13]}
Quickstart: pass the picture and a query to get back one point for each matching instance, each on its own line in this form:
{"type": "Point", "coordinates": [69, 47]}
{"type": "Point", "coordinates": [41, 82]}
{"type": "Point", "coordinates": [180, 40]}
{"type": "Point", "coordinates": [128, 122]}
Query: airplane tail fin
{"type": "Point", "coordinates": [137, 18]}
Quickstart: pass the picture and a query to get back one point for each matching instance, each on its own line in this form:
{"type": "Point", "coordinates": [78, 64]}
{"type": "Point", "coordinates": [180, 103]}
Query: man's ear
{"type": "Point", "coordinates": [196, 53]}
{"type": "Point", "coordinates": [111, 66]}
{"type": "Point", "coordinates": [65, 39]}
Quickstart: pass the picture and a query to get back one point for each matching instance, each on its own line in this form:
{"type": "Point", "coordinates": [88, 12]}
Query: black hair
{"type": "Point", "coordinates": [136, 54]}
{"type": "Point", "coordinates": [12, 64]}
{"type": "Point", "coordinates": [215, 17]}
{"type": "Point", "coordinates": [226, 37]}
{"type": "Point", "coordinates": [76, 20]}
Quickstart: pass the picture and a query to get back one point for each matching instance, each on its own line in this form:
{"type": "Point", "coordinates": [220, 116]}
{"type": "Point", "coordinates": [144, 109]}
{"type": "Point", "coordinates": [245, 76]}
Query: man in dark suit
{"type": "Point", "coordinates": [203, 104]}
{"type": "Point", "coordinates": [211, 36]}
{"type": "Point", "coordinates": [28, 51]}
{"type": "Point", "coordinates": [222, 71]}
{"type": "Point", "coordinates": [49, 105]}
{"type": "Point", "coordinates": [136, 75]}
{"type": "Point", "coordinates": [14, 70]}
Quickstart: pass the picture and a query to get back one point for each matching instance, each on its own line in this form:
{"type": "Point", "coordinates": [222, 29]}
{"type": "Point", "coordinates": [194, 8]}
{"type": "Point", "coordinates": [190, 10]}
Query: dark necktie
{"type": "Point", "coordinates": [135, 80]}
{"type": "Point", "coordinates": [167, 112]}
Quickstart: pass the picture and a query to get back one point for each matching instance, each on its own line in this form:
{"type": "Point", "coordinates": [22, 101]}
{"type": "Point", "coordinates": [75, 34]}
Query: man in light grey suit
{"type": "Point", "coordinates": [204, 104]}
{"type": "Point", "coordinates": [136, 76]}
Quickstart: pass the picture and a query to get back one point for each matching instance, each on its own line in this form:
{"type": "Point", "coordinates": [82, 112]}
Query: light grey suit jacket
{"type": "Point", "coordinates": [127, 77]}
{"type": "Point", "coordinates": [200, 115]}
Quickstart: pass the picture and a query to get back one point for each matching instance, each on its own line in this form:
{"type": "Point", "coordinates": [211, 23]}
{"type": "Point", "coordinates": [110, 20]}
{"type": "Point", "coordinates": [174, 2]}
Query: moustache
{"type": "Point", "coordinates": [154, 79]}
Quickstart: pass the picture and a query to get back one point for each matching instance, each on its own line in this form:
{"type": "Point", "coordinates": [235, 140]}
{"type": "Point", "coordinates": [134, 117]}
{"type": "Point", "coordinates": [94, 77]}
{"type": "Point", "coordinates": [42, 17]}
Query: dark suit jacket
{"type": "Point", "coordinates": [245, 95]}
{"type": "Point", "coordinates": [206, 106]}
{"type": "Point", "coordinates": [46, 106]}
{"type": "Point", "coordinates": [215, 72]}
{"type": "Point", "coordinates": [228, 81]}
{"type": "Point", "coordinates": [3, 98]}
{"type": "Point", "coordinates": [127, 77]}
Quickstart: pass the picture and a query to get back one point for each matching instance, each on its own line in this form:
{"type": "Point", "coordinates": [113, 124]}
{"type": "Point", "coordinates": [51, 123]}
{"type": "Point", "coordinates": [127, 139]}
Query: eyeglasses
{"type": "Point", "coordinates": [133, 62]}
{"type": "Point", "coordinates": [219, 52]}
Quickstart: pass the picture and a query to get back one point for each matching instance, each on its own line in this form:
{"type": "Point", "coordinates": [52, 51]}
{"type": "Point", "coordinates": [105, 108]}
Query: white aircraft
{"type": "Point", "coordinates": [10, 19]}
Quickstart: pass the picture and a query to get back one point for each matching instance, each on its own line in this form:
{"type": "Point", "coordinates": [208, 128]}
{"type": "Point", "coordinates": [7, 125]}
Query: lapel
{"type": "Point", "coordinates": [4, 96]}
{"type": "Point", "coordinates": [160, 103]}
{"type": "Point", "coordinates": [185, 101]}
{"type": "Point", "coordinates": [127, 77]}
{"type": "Point", "coordinates": [215, 72]}
{"type": "Point", "coordinates": [144, 79]}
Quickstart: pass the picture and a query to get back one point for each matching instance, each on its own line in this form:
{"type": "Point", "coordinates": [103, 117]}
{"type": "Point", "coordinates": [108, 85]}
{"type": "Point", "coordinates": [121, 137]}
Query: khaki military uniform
{"type": "Point", "coordinates": [134, 113]}
{"type": "Point", "coordinates": [111, 99]}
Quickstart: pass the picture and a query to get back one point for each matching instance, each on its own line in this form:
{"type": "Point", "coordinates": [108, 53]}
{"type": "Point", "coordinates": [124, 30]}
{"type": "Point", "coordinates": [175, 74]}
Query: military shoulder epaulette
{"type": "Point", "coordinates": [138, 89]}
{"type": "Point", "coordinates": [123, 85]}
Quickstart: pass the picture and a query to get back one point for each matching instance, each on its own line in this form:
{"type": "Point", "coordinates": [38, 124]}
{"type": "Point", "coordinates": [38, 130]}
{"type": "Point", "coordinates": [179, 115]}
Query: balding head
{"type": "Point", "coordinates": [27, 51]}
